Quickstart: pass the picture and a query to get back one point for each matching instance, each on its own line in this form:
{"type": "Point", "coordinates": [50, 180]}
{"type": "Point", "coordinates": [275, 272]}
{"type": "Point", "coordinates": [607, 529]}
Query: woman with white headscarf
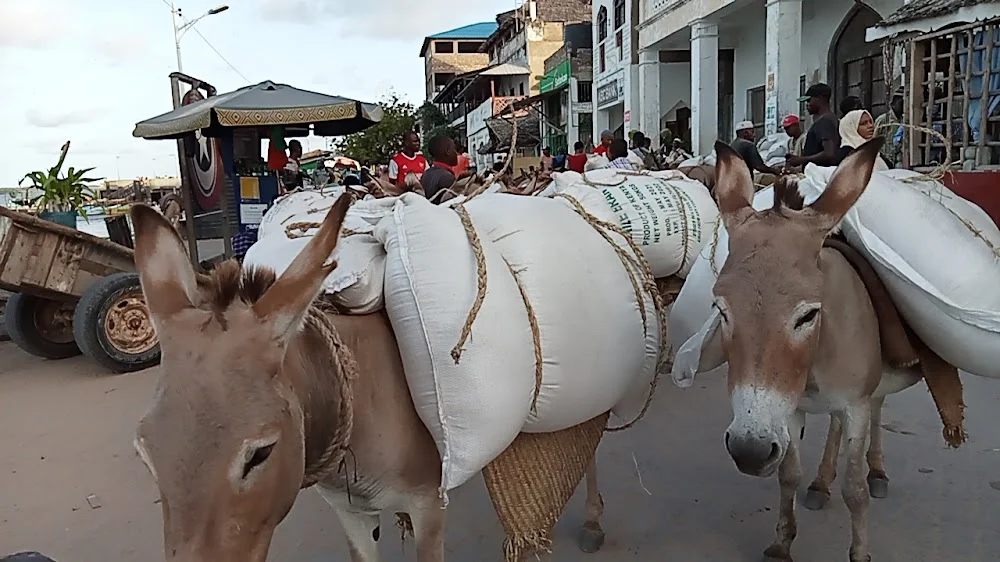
{"type": "Point", "coordinates": [856, 128]}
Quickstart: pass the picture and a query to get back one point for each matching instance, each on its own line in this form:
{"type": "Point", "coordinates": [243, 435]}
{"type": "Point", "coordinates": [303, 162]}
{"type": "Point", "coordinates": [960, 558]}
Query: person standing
{"type": "Point", "coordinates": [407, 160]}
{"type": "Point", "coordinates": [745, 146]}
{"type": "Point", "coordinates": [546, 161]}
{"type": "Point", "coordinates": [618, 156]}
{"type": "Point", "coordinates": [291, 174]}
{"type": "Point", "coordinates": [823, 139]}
{"type": "Point", "coordinates": [439, 177]}
{"type": "Point", "coordinates": [888, 126]}
{"type": "Point", "coordinates": [793, 128]}
{"type": "Point", "coordinates": [849, 104]}
{"type": "Point", "coordinates": [640, 150]}
{"type": "Point", "coordinates": [577, 162]}
{"type": "Point", "coordinates": [463, 161]}
{"type": "Point", "coordinates": [606, 138]}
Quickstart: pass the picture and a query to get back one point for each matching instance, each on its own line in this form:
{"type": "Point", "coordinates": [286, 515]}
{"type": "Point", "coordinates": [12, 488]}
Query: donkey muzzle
{"type": "Point", "coordinates": [754, 455]}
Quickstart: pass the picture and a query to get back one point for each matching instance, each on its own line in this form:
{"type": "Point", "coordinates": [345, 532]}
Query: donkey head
{"type": "Point", "coordinates": [769, 295]}
{"type": "Point", "coordinates": [224, 439]}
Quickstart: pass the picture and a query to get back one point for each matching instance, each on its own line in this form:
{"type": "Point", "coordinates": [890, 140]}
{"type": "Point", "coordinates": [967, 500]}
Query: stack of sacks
{"type": "Point", "coordinates": [667, 215]}
{"type": "Point", "coordinates": [494, 304]}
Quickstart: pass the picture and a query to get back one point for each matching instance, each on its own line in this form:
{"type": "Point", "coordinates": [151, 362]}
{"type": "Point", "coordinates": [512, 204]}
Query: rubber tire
{"type": "Point", "coordinates": [88, 322]}
{"type": "Point", "coordinates": [19, 319]}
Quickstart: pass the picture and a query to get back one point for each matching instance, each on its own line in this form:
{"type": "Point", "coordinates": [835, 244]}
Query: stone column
{"type": "Point", "coordinates": [649, 95]}
{"type": "Point", "coordinates": [783, 53]}
{"type": "Point", "coordinates": [704, 86]}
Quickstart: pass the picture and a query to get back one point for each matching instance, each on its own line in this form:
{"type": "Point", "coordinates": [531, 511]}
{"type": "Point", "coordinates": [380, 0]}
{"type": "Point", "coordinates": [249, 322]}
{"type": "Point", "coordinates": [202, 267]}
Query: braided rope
{"type": "Point", "coordinates": [347, 372]}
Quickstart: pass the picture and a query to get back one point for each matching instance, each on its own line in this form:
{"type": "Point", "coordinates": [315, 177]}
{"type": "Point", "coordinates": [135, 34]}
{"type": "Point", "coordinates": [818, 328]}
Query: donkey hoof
{"type": "Point", "coordinates": [591, 538]}
{"type": "Point", "coordinates": [878, 486]}
{"type": "Point", "coordinates": [777, 553]}
{"type": "Point", "coordinates": [816, 500]}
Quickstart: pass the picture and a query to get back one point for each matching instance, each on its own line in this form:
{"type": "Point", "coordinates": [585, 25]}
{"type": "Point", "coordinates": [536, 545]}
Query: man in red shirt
{"type": "Point", "coordinates": [577, 161]}
{"type": "Point", "coordinates": [606, 138]}
{"type": "Point", "coordinates": [407, 160]}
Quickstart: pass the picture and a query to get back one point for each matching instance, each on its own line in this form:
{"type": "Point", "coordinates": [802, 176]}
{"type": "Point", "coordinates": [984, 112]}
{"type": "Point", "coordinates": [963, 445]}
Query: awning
{"type": "Point", "coordinates": [265, 104]}
{"type": "Point", "coordinates": [529, 101]}
{"type": "Point", "coordinates": [496, 71]}
{"type": "Point", "coordinates": [926, 16]}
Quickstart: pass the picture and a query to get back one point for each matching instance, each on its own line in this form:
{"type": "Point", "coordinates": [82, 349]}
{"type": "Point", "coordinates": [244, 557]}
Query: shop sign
{"type": "Point", "coordinates": [608, 93]}
{"type": "Point", "coordinates": [557, 78]}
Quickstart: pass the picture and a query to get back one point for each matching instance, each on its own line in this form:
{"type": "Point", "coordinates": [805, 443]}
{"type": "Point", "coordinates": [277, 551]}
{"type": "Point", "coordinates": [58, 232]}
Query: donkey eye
{"type": "Point", "coordinates": [806, 318]}
{"type": "Point", "coordinates": [259, 457]}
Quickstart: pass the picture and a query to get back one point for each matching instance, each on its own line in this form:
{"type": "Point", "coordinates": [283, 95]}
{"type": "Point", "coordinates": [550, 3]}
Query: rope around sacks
{"type": "Point", "coordinates": [639, 261]}
{"type": "Point", "coordinates": [347, 371]}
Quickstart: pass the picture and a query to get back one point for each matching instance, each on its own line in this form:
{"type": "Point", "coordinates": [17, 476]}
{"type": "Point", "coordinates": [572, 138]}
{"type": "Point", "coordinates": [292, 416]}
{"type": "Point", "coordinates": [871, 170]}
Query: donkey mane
{"type": "Point", "coordinates": [228, 282]}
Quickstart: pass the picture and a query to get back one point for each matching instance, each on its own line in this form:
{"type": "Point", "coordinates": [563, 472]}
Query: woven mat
{"type": "Point", "coordinates": [533, 479]}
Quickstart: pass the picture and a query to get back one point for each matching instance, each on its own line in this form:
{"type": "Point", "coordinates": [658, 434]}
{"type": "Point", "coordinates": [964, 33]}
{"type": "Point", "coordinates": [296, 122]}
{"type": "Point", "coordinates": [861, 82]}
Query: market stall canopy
{"type": "Point", "coordinates": [925, 16]}
{"type": "Point", "coordinates": [262, 105]}
{"type": "Point", "coordinates": [501, 131]}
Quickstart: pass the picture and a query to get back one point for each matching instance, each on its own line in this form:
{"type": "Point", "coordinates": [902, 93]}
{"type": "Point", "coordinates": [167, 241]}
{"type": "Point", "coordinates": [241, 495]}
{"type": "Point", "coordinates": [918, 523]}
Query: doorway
{"type": "Point", "coordinates": [855, 66]}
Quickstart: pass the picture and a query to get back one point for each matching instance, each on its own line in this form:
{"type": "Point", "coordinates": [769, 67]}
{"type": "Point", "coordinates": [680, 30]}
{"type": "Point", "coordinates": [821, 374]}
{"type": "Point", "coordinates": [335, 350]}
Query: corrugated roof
{"type": "Point", "coordinates": [923, 9]}
{"type": "Point", "coordinates": [480, 30]}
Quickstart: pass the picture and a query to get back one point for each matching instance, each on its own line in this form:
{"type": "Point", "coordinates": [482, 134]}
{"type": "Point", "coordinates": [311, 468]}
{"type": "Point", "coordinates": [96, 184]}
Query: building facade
{"type": "Point", "coordinates": [730, 60]}
{"type": "Point", "coordinates": [615, 66]}
{"type": "Point", "coordinates": [451, 53]}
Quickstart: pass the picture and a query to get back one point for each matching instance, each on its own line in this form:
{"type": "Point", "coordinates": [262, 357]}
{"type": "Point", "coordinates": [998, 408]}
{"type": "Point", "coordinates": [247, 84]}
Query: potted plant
{"type": "Point", "coordinates": [63, 198]}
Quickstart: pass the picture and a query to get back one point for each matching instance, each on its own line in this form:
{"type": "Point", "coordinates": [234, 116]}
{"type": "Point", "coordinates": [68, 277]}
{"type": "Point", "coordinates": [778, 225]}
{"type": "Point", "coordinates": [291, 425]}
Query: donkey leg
{"type": "Point", "coordinates": [857, 423]}
{"type": "Point", "coordinates": [818, 494]}
{"type": "Point", "coordinates": [878, 481]}
{"type": "Point", "coordinates": [362, 530]}
{"type": "Point", "coordinates": [592, 535]}
{"type": "Point", "coordinates": [428, 527]}
{"type": "Point", "coordinates": [789, 478]}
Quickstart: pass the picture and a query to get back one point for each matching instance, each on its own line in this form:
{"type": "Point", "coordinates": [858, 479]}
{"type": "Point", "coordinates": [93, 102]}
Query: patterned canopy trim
{"type": "Point", "coordinates": [182, 125]}
{"type": "Point", "coordinates": [286, 116]}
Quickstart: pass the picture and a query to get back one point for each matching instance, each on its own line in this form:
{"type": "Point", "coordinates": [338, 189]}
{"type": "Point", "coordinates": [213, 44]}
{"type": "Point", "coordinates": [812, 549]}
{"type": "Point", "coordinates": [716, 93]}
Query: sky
{"type": "Point", "coordinates": [88, 70]}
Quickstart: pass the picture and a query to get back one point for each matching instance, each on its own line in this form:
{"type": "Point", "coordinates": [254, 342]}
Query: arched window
{"type": "Point", "coordinates": [602, 24]}
{"type": "Point", "coordinates": [619, 13]}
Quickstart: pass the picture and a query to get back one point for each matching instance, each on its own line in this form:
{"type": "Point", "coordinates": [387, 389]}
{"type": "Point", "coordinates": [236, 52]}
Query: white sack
{"type": "Point", "coordinates": [594, 350]}
{"type": "Point", "coordinates": [696, 341]}
{"type": "Point", "coordinates": [356, 283]}
{"type": "Point", "coordinates": [595, 162]}
{"type": "Point", "coordinates": [476, 408]}
{"type": "Point", "coordinates": [669, 219]}
{"type": "Point", "coordinates": [942, 276]}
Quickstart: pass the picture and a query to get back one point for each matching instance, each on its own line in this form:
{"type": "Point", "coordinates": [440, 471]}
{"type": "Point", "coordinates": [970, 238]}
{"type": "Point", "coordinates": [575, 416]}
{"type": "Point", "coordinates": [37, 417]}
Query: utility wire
{"type": "Point", "coordinates": [224, 59]}
{"type": "Point", "coordinates": [211, 46]}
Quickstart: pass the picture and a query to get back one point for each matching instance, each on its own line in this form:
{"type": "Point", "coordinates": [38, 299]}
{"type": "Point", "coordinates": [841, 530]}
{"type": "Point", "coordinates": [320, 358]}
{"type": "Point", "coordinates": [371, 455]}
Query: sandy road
{"type": "Point", "coordinates": [66, 431]}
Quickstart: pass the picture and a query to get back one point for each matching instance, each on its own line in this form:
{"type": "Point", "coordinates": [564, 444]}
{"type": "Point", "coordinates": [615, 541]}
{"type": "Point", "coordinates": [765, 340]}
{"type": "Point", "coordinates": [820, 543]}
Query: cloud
{"type": "Point", "coordinates": [32, 25]}
{"type": "Point", "coordinates": [390, 20]}
{"type": "Point", "coordinates": [122, 47]}
{"type": "Point", "coordinates": [52, 119]}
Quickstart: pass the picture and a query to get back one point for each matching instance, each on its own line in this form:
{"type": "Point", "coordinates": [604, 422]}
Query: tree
{"type": "Point", "coordinates": [378, 143]}
{"type": "Point", "coordinates": [434, 123]}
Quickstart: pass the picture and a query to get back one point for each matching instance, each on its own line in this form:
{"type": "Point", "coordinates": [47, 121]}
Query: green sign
{"type": "Point", "coordinates": [558, 78]}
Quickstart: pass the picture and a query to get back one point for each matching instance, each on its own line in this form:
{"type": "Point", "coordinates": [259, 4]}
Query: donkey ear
{"type": "Point", "coordinates": [733, 184]}
{"type": "Point", "coordinates": [847, 184]}
{"type": "Point", "coordinates": [286, 302]}
{"type": "Point", "coordinates": [168, 280]}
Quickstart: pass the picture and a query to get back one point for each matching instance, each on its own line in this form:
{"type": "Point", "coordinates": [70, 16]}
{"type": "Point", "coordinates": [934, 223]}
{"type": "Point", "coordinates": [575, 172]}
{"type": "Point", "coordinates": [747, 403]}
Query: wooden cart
{"type": "Point", "coordinates": [72, 292]}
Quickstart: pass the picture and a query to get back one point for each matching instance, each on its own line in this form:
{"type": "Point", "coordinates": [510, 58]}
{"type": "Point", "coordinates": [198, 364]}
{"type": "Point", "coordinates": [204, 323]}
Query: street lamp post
{"type": "Point", "coordinates": [180, 30]}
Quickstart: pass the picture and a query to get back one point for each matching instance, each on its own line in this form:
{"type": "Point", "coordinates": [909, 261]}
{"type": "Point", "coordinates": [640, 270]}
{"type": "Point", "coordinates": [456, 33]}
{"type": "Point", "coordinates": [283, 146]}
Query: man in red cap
{"type": "Point", "coordinates": [793, 128]}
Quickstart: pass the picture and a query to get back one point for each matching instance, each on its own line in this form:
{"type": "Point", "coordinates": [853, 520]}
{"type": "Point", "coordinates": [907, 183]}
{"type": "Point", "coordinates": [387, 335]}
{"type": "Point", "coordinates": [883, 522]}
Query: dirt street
{"type": "Point", "coordinates": [66, 434]}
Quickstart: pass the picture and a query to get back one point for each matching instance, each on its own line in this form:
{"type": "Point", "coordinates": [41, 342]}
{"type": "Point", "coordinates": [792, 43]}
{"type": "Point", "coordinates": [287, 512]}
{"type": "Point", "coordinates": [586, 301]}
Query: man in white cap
{"type": "Point", "coordinates": [745, 146]}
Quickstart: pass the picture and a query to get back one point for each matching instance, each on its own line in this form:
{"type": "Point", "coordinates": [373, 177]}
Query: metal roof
{"type": "Point", "coordinates": [922, 9]}
{"type": "Point", "coordinates": [924, 16]}
{"type": "Point", "coordinates": [480, 30]}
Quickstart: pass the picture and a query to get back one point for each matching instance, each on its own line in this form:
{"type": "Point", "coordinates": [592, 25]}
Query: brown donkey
{"type": "Point", "coordinates": [800, 333]}
{"type": "Point", "coordinates": [263, 394]}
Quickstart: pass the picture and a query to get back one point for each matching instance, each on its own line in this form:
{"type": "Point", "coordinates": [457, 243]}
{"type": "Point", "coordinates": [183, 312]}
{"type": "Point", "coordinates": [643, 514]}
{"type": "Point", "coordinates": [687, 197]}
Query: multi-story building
{"type": "Point", "coordinates": [454, 52]}
{"type": "Point", "coordinates": [616, 92]}
{"type": "Point", "coordinates": [730, 60]}
{"type": "Point", "coordinates": [524, 39]}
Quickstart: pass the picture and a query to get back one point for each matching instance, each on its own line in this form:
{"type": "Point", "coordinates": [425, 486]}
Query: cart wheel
{"type": "Point", "coordinates": [112, 325]}
{"type": "Point", "coordinates": [41, 327]}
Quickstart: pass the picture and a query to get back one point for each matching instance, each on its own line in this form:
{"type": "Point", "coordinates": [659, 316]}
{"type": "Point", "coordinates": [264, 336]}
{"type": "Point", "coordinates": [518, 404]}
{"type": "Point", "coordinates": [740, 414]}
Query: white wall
{"type": "Point", "coordinates": [616, 67]}
{"type": "Point", "coordinates": [820, 21]}
{"type": "Point", "coordinates": [675, 86]}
